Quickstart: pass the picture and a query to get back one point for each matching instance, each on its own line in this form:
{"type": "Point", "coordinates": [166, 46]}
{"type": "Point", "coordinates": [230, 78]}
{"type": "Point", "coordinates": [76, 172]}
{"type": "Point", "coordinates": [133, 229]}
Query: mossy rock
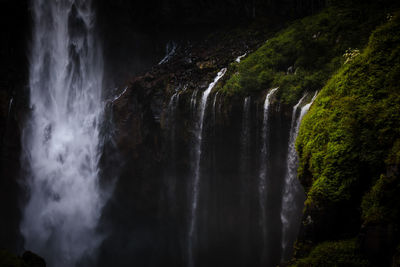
{"type": "Point", "coordinates": [303, 56]}
{"type": "Point", "coordinates": [344, 253]}
{"type": "Point", "coordinates": [348, 142]}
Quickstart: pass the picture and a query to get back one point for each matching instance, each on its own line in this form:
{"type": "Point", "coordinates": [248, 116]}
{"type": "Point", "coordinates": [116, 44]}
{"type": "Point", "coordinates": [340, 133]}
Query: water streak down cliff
{"type": "Point", "coordinates": [263, 183]}
{"type": "Point", "coordinates": [61, 140]}
{"type": "Point", "coordinates": [293, 194]}
{"type": "Point", "coordinates": [197, 159]}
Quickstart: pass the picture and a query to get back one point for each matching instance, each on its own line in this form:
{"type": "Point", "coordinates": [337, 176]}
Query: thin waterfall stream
{"type": "Point", "coordinates": [262, 183]}
{"type": "Point", "coordinates": [293, 194]}
{"type": "Point", "coordinates": [197, 159]}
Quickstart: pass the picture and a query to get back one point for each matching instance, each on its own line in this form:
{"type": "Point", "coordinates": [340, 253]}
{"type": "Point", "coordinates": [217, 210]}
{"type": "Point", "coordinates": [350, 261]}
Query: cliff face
{"type": "Point", "coordinates": [300, 59]}
{"type": "Point", "coordinates": [14, 17]}
{"type": "Point", "coordinates": [155, 120]}
{"type": "Point", "coordinates": [348, 143]}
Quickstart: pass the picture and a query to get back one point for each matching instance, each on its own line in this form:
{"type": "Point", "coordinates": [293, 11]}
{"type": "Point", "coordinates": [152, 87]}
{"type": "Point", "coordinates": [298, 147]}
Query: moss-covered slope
{"type": "Point", "coordinates": [303, 56]}
{"type": "Point", "coordinates": [349, 147]}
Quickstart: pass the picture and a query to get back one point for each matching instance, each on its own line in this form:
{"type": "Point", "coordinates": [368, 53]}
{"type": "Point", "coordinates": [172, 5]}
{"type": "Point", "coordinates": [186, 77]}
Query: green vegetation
{"type": "Point", "coordinates": [305, 55]}
{"type": "Point", "coordinates": [382, 203]}
{"type": "Point", "coordinates": [343, 253]}
{"type": "Point", "coordinates": [349, 144]}
{"type": "Point", "coordinates": [354, 122]}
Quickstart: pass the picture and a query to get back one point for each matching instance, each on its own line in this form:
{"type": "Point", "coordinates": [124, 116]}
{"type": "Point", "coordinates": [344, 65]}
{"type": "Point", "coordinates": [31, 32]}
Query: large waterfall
{"type": "Point", "coordinates": [61, 141]}
{"type": "Point", "coordinates": [197, 159]}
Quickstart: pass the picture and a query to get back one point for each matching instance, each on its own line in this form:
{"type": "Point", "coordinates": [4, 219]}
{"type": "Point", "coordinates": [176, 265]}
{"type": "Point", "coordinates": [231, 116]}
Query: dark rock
{"type": "Point", "coordinates": [33, 260]}
{"type": "Point", "coordinates": [378, 242]}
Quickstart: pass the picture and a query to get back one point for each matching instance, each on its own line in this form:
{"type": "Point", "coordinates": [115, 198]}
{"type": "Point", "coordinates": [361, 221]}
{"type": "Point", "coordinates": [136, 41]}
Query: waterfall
{"type": "Point", "coordinates": [293, 193]}
{"type": "Point", "coordinates": [304, 110]}
{"type": "Point", "coordinates": [171, 182]}
{"type": "Point", "coordinates": [246, 181]}
{"type": "Point", "coordinates": [120, 94]}
{"type": "Point", "coordinates": [172, 106]}
{"type": "Point", "coordinates": [239, 58]}
{"type": "Point", "coordinates": [9, 108]}
{"type": "Point", "coordinates": [214, 111]}
{"type": "Point", "coordinates": [245, 136]}
{"type": "Point", "coordinates": [170, 50]}
{"type": "Point", "coordinates": [262, 183]}
{"type": "Point", "coordinates": [61, 140]}
{"type": "Point", "coordinates": [197, 158]}
{"type": "Point", "coordinates": [193, 102]}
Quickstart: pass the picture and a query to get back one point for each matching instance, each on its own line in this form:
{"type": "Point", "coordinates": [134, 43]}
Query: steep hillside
{"type": "Point", "coordinates": [349, 158]}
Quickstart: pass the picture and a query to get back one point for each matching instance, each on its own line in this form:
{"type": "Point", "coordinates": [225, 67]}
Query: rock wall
{"type": "Point", "coordinates": [14, 17]}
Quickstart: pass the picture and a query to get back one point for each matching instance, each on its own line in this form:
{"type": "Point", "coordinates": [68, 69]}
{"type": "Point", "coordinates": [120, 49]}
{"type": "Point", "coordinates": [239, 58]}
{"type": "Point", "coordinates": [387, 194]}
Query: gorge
{"type": "Point", "coordinates": [196, 133]}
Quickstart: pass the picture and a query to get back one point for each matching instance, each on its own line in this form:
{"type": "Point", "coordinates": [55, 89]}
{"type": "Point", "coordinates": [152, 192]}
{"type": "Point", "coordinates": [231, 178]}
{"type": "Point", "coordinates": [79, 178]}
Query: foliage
{"type": "Point", "coordinates": [348, 144]}
{"type": "Point", "coordinates": [350, 55]}
{"type": "Point", "coordinates": [340, 253]}
{"type": "Point", "coordinates": [354, 122]}
{"type": "Point", "coordinates": [382, 203]}
{"type": "Point", "coordinates": [303, 56]}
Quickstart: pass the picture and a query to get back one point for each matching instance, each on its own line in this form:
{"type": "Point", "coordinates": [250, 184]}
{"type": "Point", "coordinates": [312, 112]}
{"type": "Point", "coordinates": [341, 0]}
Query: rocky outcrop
{"type": "Point", "coordinates": [157, 205]}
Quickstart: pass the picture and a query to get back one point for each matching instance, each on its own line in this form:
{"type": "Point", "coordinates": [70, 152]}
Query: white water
{"type": "Point", "coordinates": [172, 110]}
{"type": "Point", "coordinates": [305, 109]}
{"type": "Point", "coordinates": [121, 94]}
{"type": "Point", "coordinates": [291, 211]}
{"type": "Point", "coordinates": [61, 140]}
{"type": "Point", "coordinates": [170, 50]}
{"type": "Point", "coordinates": [245, 135]}
{"type": "Point", "coordinates": [172, 176]}
{"type": "Point", "coordinates": [214, 106]}
{"type": "Point", "coordinates": [9, 107]}
{"type": "Point", "coordinates": [193, 102]}
{"type": "Point", "coordinates": [262, 182]}
{"type": "Point", "coordinates": [197, 157]}
{"type": "Point", "coordinates": [239, 58]}
{"type": "Point", "coordinates": [215, 101]}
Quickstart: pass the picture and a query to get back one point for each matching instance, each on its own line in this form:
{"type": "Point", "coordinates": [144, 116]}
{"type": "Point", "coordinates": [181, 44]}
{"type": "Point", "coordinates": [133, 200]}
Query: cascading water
{"type": "Point", "coordinates": [120, 94]}
{"type": "Point", "coordinates": [172, 110]}
{"type": "Point", "coordinates": [262, 183]}
{"type": "Point", "coordinates": [289, 186]}
{"type": "Point", "coordinates": [245, 136]}
{"type": "Point", "coordinates": [9, 107]}
{"type": "Point", "coordinates": [214, 113]}
{"type": "Point", "coordinates": [293, 193]}
{"type": "Point", "coordinates": [197, 158]}
{"type": "Point", "coordinates": [239, 58]}
{"type": "Point", "coordinates": [246, 175]}
{"type": "Point", "coordinates": [61, 140]}
{"type": "Point", "coordinates": [193, 102]}
{"type": "Point", "coordinates": [170, 50]}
